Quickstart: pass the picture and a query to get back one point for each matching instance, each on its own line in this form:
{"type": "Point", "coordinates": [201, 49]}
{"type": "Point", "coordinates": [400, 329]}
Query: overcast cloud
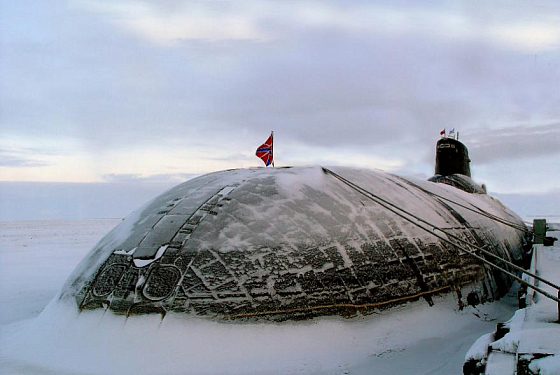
{"type": "Point", "coordinates": [167, 88]}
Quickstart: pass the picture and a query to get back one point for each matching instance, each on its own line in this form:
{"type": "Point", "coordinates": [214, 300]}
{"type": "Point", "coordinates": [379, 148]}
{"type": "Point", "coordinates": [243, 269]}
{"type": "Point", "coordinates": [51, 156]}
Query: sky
{"type": "Point", "coordinates": [102, 97]}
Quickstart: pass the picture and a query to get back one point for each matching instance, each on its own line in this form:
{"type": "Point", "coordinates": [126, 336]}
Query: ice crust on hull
{"type": "Point", "coordinates": [291, 243]}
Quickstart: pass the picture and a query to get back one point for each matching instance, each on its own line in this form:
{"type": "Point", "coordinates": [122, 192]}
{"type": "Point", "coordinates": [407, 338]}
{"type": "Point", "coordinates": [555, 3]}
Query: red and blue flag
{"type": "Point", "coordinates": [264, 151]}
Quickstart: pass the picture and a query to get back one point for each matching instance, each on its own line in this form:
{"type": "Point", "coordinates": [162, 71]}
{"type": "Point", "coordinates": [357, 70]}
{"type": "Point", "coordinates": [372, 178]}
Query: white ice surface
{"type": "Point", "coordinates": [36, 257]}
{"type": "Point", "coordinates": [533, 329]}
{"type": "Point", "coordinates": [500, 364]}
{"type": "Point", "coordinates": [479, 349]}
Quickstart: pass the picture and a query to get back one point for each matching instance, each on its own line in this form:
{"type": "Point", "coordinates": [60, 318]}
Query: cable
{"type": "Point", "coordinates": [386, 203]}
{"type": "Point", "coordinates": [478, 210]}
{"type": "Point", "coordinates": [520, 269]}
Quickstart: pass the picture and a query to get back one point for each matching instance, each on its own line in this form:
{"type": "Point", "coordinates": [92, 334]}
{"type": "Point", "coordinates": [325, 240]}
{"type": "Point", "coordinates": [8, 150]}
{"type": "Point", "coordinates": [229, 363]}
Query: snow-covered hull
{"type": "Point", "coordinates": [292, 243]}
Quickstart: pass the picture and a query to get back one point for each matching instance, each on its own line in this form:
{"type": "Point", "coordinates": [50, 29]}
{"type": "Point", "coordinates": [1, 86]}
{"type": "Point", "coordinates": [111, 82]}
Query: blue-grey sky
{"type": "Point", "coordinates": [119, 91]}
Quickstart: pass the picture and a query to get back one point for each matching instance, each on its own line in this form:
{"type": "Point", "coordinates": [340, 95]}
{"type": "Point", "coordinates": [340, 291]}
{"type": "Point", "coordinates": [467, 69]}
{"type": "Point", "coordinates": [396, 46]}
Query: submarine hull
{"type": "Point", "coordinates": [294, 243]}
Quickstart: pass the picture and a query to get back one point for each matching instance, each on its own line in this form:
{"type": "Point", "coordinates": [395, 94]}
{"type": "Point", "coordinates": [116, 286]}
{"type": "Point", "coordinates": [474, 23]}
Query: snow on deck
{"type": "Point", "coordinates": [532, 344]}
{"type": "Point", "coordinates": [35, 257]}
{"type": "Point", "coordinates": [288, 244]}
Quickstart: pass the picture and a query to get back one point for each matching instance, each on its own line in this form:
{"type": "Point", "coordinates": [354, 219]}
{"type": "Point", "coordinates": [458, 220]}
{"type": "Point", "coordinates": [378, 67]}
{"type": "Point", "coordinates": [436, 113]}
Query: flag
{"type": "Point", "coordinates": [264, 151]}
{"type": "Point", "coordinates": [442, 132]}
{"type": "Point", "coordinates": [452, 132]}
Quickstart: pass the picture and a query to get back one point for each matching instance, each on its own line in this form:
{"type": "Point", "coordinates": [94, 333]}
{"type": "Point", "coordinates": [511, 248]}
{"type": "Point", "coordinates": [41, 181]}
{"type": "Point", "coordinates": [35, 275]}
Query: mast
{"type": "Point", "coordinates": [272, 147]}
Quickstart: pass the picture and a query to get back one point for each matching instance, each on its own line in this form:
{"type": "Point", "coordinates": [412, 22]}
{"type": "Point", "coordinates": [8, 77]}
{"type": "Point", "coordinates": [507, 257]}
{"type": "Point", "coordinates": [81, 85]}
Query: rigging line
{"type": "Point", "coordinates": [356, 187]}
{"type": "Point", "coordinates": [373, 197]}
{"type": "Point", "coordinates": [478, 210]}
{"type": "Point", "coordinates": [451, 235]}
{"type": "Point", "coordinates": [520, 269]}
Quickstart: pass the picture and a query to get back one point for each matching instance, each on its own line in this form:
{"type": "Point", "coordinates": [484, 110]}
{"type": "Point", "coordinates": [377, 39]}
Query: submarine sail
{"type": "Point", "coordinates": [295, 243]}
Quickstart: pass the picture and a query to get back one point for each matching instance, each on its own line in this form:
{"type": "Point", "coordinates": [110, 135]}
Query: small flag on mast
{"type": "Point", "coordinates": [442, 133]}
{"type": "Point", "coordinates": [452, 132]}
{"type": "Point", "coordinates": [265, 151]}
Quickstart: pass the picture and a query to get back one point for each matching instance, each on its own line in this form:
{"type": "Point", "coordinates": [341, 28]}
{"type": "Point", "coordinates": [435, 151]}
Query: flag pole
{"type": "Point", "coordinates": [272, 147]}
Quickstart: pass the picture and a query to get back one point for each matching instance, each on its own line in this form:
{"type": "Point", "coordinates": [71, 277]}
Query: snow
{"type": "Point", "coordinates": [546, 366]}
{"type": "Point", "coordinates": [500, 364]}
{"type": "Point", "coordinates": [56, 338]}
{"type": "Point", "coordinates": [534, 329]}
{"type": "Point", "coordinates": [479, 349]}
{"type": "Point", "coordinates": [36, 257]}
{"type": "Point", "coordinates": [144, 262]}
{"type": "Point", "coordinates": [537, 340]}
{"type": "Point", "coordinates": [538, 332]}
{"type": "Point", "coordinates": [267, 216]}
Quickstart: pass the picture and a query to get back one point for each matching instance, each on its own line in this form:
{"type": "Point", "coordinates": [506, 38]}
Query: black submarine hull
{"type": "Point", "coordinates": [294, 243]}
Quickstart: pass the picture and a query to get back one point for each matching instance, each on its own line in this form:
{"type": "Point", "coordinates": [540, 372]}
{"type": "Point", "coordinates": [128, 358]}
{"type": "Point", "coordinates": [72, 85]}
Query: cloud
{"type": "Point", "coordinates": [146, 87]}
{"type": "Point", "coordinates": [163, 24]}
{"type": "Point", "coordinates": [137, 178]}
{"type": "Point", "coordinates": [519, 142]}
{"type": "Point", "coordinates": [331, 73]}
{"type": "Point", "coordinates": [15, 155]}
{"type": "Point", "coordinates": [10, 160]}
{"type": "Point", "coordinates": [168, 22]}
{"type": "Point", "coordinates": [532, 204]}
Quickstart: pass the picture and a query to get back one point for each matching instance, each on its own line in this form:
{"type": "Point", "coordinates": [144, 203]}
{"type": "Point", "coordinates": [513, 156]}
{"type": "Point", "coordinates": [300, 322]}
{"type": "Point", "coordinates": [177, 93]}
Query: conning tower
{"type": "Point", "coordinates": [452, 157]}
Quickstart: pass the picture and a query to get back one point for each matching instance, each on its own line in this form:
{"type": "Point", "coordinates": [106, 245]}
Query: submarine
{"type": "Point", "coordinates": [294, 243]}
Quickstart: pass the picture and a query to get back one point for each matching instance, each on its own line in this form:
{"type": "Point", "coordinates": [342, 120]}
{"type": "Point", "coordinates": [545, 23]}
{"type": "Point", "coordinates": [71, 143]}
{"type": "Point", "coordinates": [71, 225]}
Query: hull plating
{"type": "Point", "coordinates": [291, 243]}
